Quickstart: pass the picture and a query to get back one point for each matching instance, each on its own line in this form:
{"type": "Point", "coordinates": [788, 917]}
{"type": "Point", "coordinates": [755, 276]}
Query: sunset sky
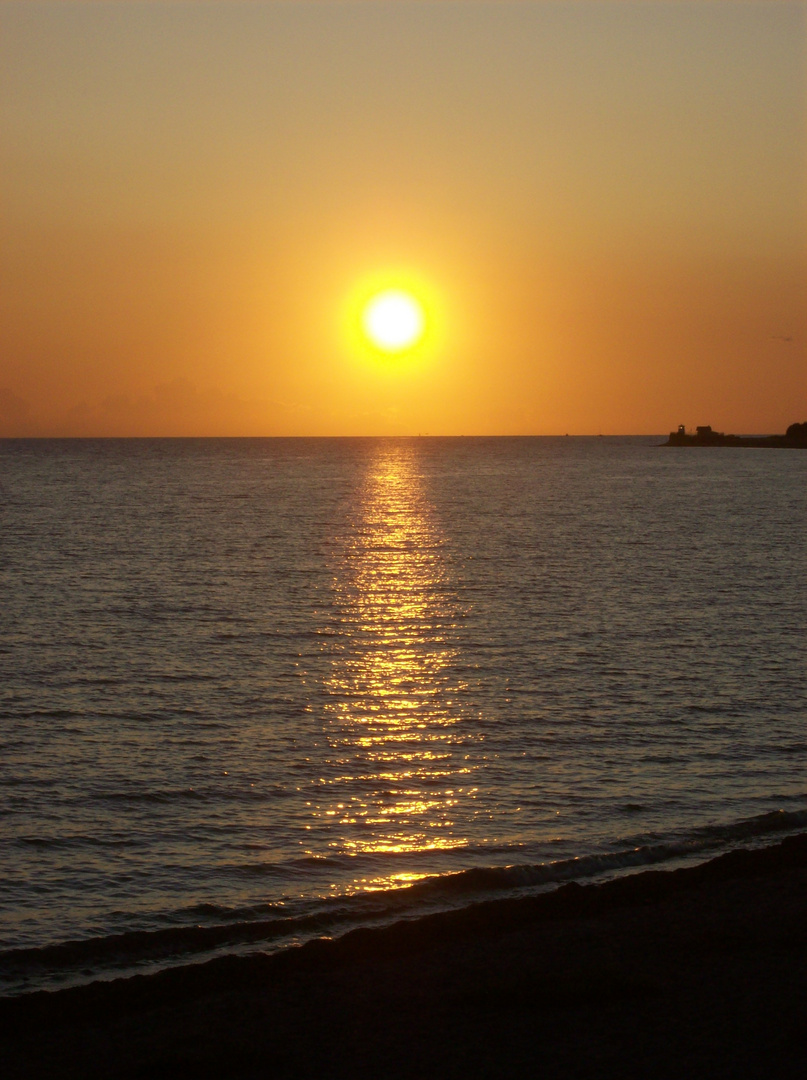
{"type": "Point", "coordinates": [601, 208]}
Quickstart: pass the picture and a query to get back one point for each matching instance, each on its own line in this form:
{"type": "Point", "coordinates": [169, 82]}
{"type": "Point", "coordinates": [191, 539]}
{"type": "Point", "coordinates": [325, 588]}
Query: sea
{"type": "Point", "coordinates": [258, 691]}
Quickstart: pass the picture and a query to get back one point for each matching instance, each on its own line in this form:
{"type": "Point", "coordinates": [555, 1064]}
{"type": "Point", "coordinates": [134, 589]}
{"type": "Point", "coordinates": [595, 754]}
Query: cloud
{"type": "Point", "coordinates": [15, 414]}
{"type": "Point", "coordinates": [175, 408]}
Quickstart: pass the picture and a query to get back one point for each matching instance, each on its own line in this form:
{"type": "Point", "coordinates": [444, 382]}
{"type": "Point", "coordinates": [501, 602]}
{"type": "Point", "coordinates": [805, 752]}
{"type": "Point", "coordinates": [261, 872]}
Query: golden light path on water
{"type": "Point", "coordinates": [394, 712]}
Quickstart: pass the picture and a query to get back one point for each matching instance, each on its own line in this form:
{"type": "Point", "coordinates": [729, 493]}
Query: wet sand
{"type": "Point", "coordinates": [698, 972]}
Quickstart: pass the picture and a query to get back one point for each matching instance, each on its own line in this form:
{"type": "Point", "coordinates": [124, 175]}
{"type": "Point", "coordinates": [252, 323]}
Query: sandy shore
{"type": "Point", "coordinates": [700, 972]}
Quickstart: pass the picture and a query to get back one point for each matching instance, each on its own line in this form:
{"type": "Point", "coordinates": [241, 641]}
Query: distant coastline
{"type": "Point", "coordinates": [794, 438]}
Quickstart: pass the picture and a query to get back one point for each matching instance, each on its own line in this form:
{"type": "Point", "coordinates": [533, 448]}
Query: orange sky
{"type": "Point", "coordinates": [604, 204]}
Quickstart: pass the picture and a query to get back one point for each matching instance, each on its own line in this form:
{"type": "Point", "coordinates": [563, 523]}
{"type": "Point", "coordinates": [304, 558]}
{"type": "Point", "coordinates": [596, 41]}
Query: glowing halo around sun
{"type": "Point", "coordinates": [393, 320]}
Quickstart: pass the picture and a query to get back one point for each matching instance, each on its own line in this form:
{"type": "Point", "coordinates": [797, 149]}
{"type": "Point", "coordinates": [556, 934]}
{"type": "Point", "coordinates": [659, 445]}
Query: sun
{"type": "Point", "coordinates": [393, 320]}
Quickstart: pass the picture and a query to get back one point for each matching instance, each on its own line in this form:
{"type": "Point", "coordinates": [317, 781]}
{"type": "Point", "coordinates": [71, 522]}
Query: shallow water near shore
{"type": "Point", "coordinates": [254, 691]}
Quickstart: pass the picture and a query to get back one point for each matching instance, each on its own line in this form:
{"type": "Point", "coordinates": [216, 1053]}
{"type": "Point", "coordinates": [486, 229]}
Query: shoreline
{"type": "Point", "coordinates": [700, 971]}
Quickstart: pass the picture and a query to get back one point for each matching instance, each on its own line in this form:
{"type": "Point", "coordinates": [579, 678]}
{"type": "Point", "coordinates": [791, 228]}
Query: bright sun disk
{"type": "Point", "coordinates": [393, 320]}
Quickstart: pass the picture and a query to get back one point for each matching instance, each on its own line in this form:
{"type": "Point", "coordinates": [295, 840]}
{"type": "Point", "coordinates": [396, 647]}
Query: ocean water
{"type": "Point", "coordinates": [254, 691]}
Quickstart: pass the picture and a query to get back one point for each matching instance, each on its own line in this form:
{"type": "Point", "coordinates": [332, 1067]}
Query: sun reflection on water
{"type": "Point", "coordinates": [399, 749]}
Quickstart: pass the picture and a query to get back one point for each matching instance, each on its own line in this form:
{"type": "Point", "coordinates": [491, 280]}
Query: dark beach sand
{"type": "Point", "coordinates": [699, 972]}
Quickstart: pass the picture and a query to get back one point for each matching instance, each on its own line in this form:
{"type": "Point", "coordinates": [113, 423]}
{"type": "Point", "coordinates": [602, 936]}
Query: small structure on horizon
{"type": "Point", "coordinates": [795, 438]}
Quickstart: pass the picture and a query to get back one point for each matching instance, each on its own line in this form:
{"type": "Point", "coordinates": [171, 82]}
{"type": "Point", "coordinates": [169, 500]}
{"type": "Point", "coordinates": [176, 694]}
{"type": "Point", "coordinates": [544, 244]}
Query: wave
{"type": "Point", "coordinates": [699, 842]}
{"type": "Point", "coordinates": [268, 927]}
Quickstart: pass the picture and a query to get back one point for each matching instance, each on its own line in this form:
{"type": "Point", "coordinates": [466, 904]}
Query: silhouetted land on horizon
{"type": "Point", "coordinates": [699, 972]}
{"type": "Point", "coordinates": [794, 438]}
